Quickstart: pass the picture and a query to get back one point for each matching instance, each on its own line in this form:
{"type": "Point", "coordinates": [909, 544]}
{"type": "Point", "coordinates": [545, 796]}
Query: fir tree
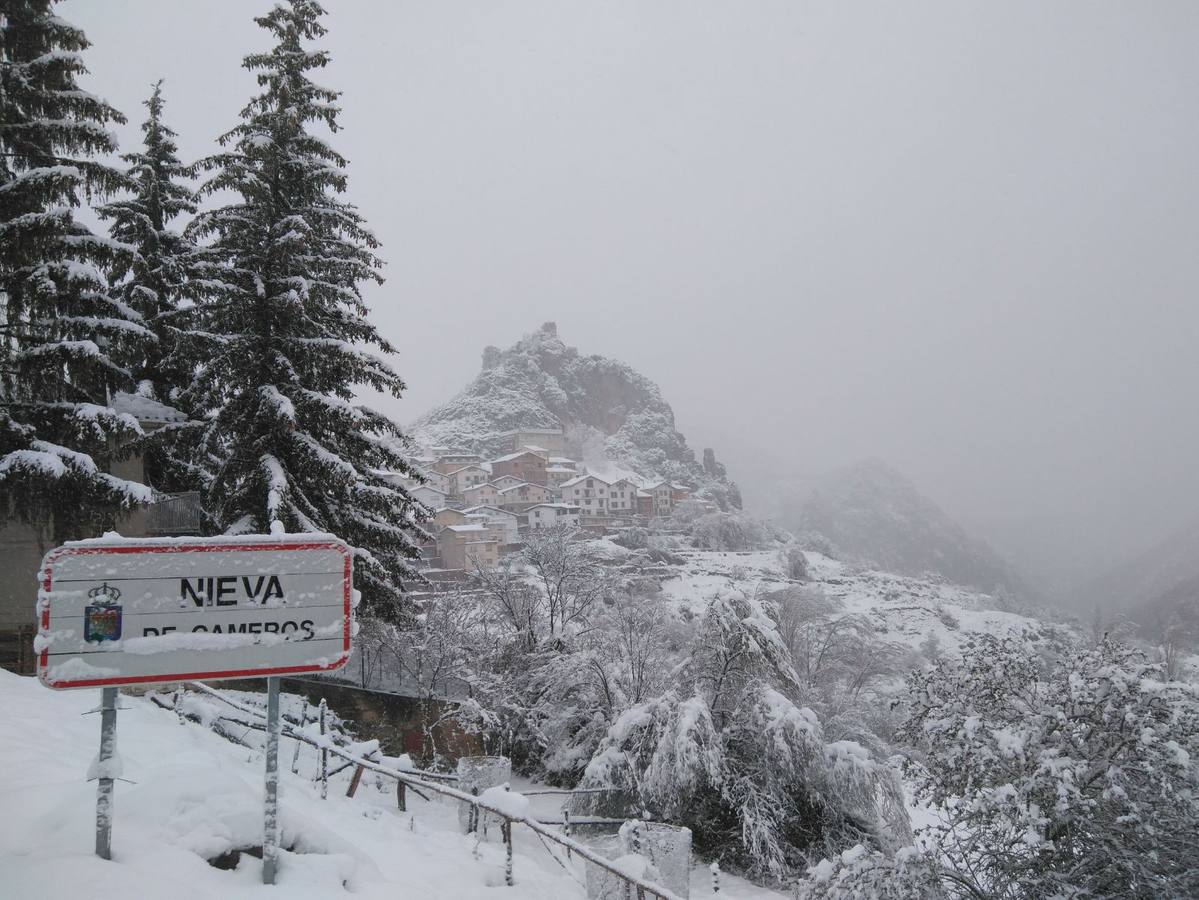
{"type": "Point", "coordinates": [63, 334]}
{"type": "Point", "coordinates": [155, 280]}
{"type": "Point", "coordinates": [283, 336]}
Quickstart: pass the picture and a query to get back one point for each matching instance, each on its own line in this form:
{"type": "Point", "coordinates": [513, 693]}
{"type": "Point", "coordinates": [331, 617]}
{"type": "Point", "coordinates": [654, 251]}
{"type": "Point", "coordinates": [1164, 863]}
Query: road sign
{"type": "Point", "coordinates": [129, 611]}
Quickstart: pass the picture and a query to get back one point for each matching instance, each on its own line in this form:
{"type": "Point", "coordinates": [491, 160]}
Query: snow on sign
{"type": "Point", "coordinates": [119, 611]}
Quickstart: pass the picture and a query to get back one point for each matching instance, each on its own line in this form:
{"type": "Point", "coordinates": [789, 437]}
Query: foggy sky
{"type": "Point", "coordinates": [958, 236]}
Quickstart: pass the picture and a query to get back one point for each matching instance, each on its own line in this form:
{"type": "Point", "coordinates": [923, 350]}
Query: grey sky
{"type": "Point", "coordinates": [959, 236]}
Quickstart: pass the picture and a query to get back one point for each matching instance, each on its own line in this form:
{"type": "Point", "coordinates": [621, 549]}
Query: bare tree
{"type": "Point", "coordinates": [569, 574]}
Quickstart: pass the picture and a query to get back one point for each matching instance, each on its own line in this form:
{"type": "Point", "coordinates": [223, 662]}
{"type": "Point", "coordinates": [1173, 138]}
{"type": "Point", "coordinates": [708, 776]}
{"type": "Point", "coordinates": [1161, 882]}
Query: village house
{"type": "Point", "coordinates": [505, 521]}
{"type": "Point", "coordinates": [433, 478]}
{"type": "Point", "coordinates": [556, 476]}
{"type": "Point", "coordinates": [679, 493]}
{"type": "Point", "coordinates": [589, 493]}
{"type": "Point", "coordinates": [465, 546]}
{"type": "Point", "coordinates": [547, 515]}
{"type": "Point", "coordinates": [524, 464]}
{"type": "Point", "coordinates": [622, 498]}
{"type": "Point", "coordinates": [429, 496]}
{"type": "Point", "coordinates": [445, 517]}
{"type": "Point", "coordinates": [645, 504]}
{"type": "Point", "coordinates": [552, 439]}
{"type": "Point", "coordinates": [520, 497]}
{"type": "Point", "coordinates": [467, 476]}
{"type": "Point", "coordinates": [485, 494]}
{"type": "Point", "coordinates": [662, 497]}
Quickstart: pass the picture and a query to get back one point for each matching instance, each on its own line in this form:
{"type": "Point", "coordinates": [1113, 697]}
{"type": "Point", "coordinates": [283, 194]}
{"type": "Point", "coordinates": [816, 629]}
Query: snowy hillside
{"type": "Point", "coordinates": [609, 412]}
{"type": "Point", "coordinates": [903, 609]}
{"type": "Point", "coordinates": [192, 796]}
{"type": "Point", "coordinates": [871, 512]}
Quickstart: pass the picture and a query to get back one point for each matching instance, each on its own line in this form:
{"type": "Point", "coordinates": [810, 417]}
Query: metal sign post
{"type": "Point", "coordinates": [108, 744]}
{"type": "Point", "coordinates": [270, 838]}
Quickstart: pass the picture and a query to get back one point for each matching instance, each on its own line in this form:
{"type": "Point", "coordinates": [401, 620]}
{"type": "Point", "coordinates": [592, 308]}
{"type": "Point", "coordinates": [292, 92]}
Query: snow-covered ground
{"type": "Point", "coordinates": [194, 795]}
{"type": "Point", "coordinates": [903, 609]}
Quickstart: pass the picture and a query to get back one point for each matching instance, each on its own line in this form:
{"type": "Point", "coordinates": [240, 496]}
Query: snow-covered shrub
{"type": "Point", "coordinates": [738, 761]}
{"type": "Point", "coordinates": [634, 538]}
{"type": "Point", "coordinates": [1072, 776]}
{"type": "Point", "coordinates": [794, 562]}
{"type": "Point", "coordinates": [861, 874]}
{"type": "Point", "coordinates": [729, 531]}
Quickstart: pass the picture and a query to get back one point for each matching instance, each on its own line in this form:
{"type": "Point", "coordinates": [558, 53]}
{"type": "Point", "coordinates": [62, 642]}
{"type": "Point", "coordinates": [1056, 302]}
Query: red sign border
{"type": "Point", "coordinates": [101, 550]}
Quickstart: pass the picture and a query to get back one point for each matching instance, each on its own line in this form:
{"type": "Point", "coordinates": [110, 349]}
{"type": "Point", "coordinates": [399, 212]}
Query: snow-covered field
{"type": "Point", "coordinates": [192, 795]}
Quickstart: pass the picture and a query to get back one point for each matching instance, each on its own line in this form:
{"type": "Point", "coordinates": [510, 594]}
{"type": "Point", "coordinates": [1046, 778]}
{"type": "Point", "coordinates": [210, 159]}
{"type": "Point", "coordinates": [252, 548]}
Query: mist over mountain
{"type": "Point", "coordinates": [611, 415]}
{"type": "Point", "coordinates": [871, 513]}
{"type": "Point", "coordinates": [1166, 573]}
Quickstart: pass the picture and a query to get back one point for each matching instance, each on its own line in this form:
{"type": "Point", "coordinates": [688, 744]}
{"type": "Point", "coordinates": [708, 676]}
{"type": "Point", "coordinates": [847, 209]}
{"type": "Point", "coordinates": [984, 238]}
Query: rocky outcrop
{"type": "Point", "coordinates": [610, 413]}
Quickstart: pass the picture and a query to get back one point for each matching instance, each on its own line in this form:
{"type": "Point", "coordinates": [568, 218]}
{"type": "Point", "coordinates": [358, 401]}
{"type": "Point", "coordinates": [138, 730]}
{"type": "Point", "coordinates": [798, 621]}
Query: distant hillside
{"type": "Point", "coordinates": [871, 513]}
{"type": "Point", "coordinates": [610, 413]}
{"type": "Point", "coordinates": [1157, 574]}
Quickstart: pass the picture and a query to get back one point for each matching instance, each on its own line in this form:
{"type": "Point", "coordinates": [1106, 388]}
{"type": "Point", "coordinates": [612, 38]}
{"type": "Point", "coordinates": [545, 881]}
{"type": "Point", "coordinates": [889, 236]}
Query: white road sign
{"type": "Point", "coordinates": [130, 611]}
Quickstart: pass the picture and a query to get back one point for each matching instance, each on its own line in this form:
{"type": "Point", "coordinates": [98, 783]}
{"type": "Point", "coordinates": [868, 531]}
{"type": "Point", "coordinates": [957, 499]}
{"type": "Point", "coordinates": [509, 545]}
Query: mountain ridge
{"type": "Point", "coordinates": [872, 513]}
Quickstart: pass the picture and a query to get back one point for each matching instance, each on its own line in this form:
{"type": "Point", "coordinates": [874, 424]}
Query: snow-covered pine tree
{"type": "Point", "coordinates": [63, 334]}
{"type": "Point", "coordinates": [155, 280]}
{"type": "Point", "coordinates": [284, 335]}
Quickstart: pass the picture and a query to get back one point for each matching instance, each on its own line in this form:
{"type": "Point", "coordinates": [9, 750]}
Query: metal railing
{"type": "Point", "coordinates": [420, 781]}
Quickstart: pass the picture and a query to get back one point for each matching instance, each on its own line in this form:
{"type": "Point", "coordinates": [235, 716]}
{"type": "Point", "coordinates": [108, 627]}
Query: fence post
{"type": "Point", "coordinates": [295, 757]}
{"type": "Point", "coordinates": [324, 754]}
{"type": "Point", "coordinates": [566, 826]}
{"type": "Point", "coordinates": [508, 860]}
{"type": "Point", "coordinates": [715, 867]}
{"type": "Point", "coordinates": [401, 800]}
{"type": "Point", "coordinates": [353, 788]}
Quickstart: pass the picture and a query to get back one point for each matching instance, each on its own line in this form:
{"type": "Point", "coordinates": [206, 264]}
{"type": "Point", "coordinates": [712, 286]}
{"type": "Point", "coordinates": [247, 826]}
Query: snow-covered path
{"type": "Point", "coordinates": [196, 795]}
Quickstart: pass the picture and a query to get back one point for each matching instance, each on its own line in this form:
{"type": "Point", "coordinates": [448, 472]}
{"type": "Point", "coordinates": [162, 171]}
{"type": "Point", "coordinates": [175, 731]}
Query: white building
{"type": "Point", "coordinates": [547, 515]}
{"type": "Point", "coordinates": [520, 497]}
{"type": "Point", "coordinates": [588, 492]}
{"type": "Point", "coordinates": [502, 520]}
{"type": "Point", "coordinates": [429, 496]}
{"type": "Point", "coordinates": [467, 476]}
{"type": "Point", "coordinates": [622, 498]}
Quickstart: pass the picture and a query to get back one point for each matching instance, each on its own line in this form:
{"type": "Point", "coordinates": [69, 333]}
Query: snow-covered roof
{"type": "Point", "coordinates": [533, 448]}
{"type": "Point", "coordinates": [464, 468]}
{"type": "Point", "coordinates": [145, 409]}
{"type": "Point", "coordinates": [524, 484]}
{"type": "Point", "coordinates": [564, 507]}
{"type": "Point", "coordinates": [429, 487]}
{"type": "Point", "coordinates": [465, 529]}
{"type": "Point", "coordinates": [582, 478]}
{"type": "Point", "coordinates": [475, 487]}
{"type": "Point", "coordinates": [530, 431]}
{"type": "Point", "coordinates": [512, 456]}
{"type": "Point", "coordinates": [560, 470]}
{"type": "Point", "coordinates": [490, 511]}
